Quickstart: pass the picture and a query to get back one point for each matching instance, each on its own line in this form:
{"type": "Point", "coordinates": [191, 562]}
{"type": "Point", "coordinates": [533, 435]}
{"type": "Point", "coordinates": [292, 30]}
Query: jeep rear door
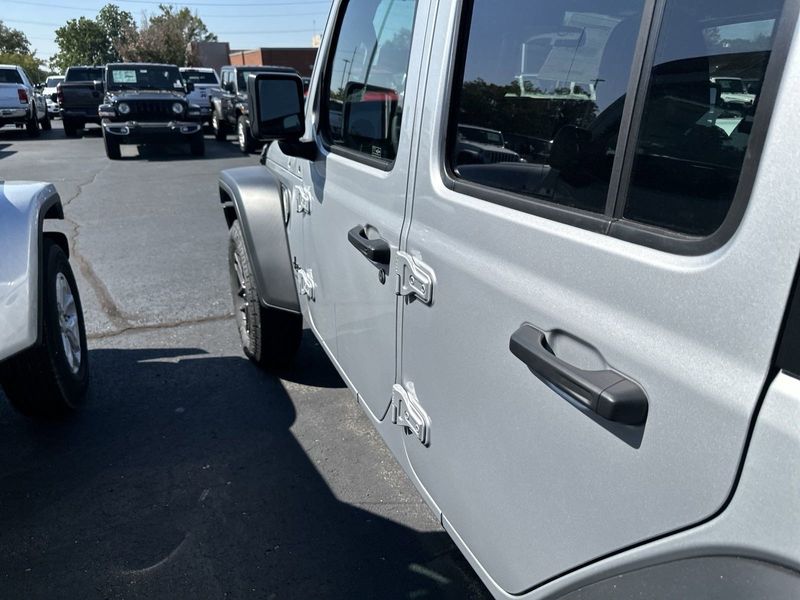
{"type": "Point", "coordinates": [354, 198]}
{"type": "Point", "coordinates": [604, 306]}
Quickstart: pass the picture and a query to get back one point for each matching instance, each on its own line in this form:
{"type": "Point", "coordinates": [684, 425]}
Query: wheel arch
{"type": "Point", "coordinates": [252, 196]}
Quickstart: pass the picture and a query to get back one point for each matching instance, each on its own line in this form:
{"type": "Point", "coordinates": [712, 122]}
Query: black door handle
{"type": "Point", "coordinates": [607, 393]}
{"type": "Point", "coordinates": [375, 250]}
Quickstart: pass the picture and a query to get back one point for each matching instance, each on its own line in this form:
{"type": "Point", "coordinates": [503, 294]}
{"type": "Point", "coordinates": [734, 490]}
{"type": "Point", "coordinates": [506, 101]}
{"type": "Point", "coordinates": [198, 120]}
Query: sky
{"type": "Point", "coordinates": [243, 23]}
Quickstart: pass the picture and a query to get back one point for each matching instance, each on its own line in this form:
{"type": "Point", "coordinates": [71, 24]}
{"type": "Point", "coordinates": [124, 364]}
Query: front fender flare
{"type": "Point", "coordinates": [23, 209]}
{"type": "Point", "coordinates": [254, 196]}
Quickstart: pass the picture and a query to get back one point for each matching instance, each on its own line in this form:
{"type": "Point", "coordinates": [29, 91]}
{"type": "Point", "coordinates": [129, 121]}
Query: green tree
{"type": "Point", "coordinates": [93, 41]}
{"type": "Point", "coordinates": [13, 41]}
{"type": "Point", "coordinates": [166, 37]}
{"type": "Point", "coordinates": [32, 65]}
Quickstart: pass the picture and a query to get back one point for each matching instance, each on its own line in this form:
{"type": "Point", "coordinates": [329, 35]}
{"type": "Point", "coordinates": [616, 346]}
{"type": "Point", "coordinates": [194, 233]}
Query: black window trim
{"type": "Point", "coordinates": [604, 223]}
{"type": "Point", "coordinates": [381, 164]}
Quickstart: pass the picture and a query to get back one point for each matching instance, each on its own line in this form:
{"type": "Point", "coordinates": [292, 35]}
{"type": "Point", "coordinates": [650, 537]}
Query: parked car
{"type": "Point", "coordinates": [44, 362]}
{"type": "Point", "coordinates": [50, 93]}
{"type": "Point", "coordinates": [79, 95]}
{"type": "Point", "coordinates": [206, 87]}
{"type": "Point", "coordinates": [230, 109]}
{"type": "Point", "coordinates": [147, 104]}
{"type": "Point", "coordinates": [483, 146]}
{"type": "Point", "coordinates": [20, 104]}
{"type": "Point", "coordinates": [588, 364]}
{"type": "Point", "coordinates": [734, 91]}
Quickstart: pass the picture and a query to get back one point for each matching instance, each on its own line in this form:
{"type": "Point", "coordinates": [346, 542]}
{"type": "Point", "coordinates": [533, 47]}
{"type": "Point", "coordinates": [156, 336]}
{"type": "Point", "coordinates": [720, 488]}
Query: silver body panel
{"type": "Point", "coordinates": [540, 498]}
{"type": "Point", "coordinates": [23, 206]}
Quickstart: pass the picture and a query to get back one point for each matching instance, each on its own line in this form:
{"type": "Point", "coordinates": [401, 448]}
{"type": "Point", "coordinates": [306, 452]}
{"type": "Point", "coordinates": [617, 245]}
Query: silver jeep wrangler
{"type": "Point", "coordinates": [587, 360]}
{"type": "Point", "coordinates": [44, 363]}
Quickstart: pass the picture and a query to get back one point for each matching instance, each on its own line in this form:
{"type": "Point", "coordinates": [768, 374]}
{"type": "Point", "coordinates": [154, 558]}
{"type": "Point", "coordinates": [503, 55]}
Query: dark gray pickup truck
{"type": "Point", "coordinates": [79, 95]}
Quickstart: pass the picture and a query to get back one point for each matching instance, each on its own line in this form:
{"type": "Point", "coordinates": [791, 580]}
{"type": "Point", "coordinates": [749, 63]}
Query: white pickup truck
{"type": "Point", "coordinates": [20, 104]}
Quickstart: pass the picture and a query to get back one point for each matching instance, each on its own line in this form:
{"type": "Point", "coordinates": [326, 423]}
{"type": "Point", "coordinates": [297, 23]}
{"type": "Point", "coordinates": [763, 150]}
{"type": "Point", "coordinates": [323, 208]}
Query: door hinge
{"type": "Point", "coordinates": [413, 277]}
{"type": "Point", "coordinates": [302, 195]}
{"type": "Point", "coordinates": [305, 282]}
{"type": "Point", "coordinates": [407, 412]}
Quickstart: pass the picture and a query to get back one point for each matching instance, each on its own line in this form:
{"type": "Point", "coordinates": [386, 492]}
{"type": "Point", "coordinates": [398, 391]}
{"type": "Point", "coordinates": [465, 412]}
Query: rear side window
{"type": "Point", "coordinates": [84, 75]}
{"type": "Point", "coordinates": [704, 89]}
{"type": "Point", "coordinates": [540, 110]}
{"type": "Point", "coordinates": [540, 101]}
{"type": "Point", "coordinates": [366, 77]}
{"type": "Point", "coordinates": [10, 76]}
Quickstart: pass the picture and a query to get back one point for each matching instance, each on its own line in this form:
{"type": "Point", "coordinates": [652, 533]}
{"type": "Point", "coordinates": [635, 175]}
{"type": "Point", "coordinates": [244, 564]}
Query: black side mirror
{"type": "Point", "coordinates": [99, 87]}
{"type": "Point", "coordinates": [189, 87]}
{"type": "Point", "coordinates": [277, 106]}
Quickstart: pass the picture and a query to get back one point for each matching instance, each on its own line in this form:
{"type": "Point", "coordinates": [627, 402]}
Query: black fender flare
{"type": "Point", "coordinates": [252, 195]}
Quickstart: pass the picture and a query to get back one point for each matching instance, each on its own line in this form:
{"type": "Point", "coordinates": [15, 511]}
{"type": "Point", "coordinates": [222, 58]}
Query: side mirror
{"type": "Point", "coordinates": [189, 87]}
{"type": "Point", "coordinates": [99, 87]}
{"type": "Point", "coordinates": [276, 104]}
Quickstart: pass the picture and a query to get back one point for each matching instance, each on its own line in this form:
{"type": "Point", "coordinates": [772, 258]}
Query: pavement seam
{"type": "Point", "coordinates": [156, 326]}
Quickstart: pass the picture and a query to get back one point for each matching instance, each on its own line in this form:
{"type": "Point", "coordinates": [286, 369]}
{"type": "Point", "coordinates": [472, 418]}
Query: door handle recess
{"type": "Point", "coordinates": [607, 393]}
{"type": "Point", "coordinates": [375, 250]}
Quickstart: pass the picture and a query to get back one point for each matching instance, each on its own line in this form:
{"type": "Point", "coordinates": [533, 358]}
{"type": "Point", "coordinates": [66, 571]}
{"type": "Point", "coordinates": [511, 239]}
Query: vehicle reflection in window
{"type": "Point", "coordinates": [710, 62]}
{"type": "Point", "coordinates": [368, 76]}
{"type": "Point", "coordinates": [549, 79]}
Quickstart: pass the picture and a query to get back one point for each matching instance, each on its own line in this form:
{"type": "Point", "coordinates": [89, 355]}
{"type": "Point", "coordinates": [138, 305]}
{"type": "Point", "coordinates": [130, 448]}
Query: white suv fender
{"type": "Point", "coordinates": [23, 208]}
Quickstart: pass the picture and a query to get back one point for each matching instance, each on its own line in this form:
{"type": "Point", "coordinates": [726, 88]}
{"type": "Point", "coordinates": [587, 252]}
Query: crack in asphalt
{"type": "Point", "coordinates": [156, 326]}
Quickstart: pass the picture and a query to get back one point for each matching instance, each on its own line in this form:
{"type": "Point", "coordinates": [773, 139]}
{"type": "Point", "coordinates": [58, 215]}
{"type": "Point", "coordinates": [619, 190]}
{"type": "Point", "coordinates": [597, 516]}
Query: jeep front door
{"type": "Point", "coordinates": [356, 190]}
{"type": "Point", "coordinates": [610, 271]}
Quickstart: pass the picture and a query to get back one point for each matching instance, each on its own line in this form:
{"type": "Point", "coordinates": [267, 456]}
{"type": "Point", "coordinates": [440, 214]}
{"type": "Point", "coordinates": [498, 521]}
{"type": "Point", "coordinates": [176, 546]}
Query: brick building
{"type": "Point", "coordinates": [301, 59]}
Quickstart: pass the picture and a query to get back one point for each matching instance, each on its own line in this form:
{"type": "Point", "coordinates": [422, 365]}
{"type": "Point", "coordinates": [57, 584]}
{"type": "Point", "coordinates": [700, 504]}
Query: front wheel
{"type": "Point", "coordinates": [112, 146]}
{"type": "Point", "coordinates": [50, 380]}
{"type": "Point", "coordinates": [270, 337]}
{"type": "Point", "coordinates": [220, 134]}
{"type": "Point", "coordinates": [247, 143]}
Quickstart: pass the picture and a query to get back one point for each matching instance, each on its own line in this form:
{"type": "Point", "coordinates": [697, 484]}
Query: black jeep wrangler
{"type": "Point", "coordinates": [146, 104]}
{"type": "Point", "coordinates": [229, 111]}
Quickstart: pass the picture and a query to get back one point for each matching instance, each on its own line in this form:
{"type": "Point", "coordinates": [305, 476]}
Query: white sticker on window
{"type": "Point", "coordinates": [123, 76]}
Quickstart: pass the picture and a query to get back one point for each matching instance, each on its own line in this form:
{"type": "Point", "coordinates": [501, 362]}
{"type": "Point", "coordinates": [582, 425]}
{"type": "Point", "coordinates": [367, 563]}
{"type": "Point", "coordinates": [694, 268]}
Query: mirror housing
{"type": "Point", "coordinates": [98, 86]}
{"type": "Point", "coordinates": [189, 87]}
{"type": "Point", "coordinates": [276, 106]}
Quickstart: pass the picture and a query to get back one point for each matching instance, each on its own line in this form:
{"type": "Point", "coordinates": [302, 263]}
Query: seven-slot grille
{"type": "Point", "coordinates": [148, 109]}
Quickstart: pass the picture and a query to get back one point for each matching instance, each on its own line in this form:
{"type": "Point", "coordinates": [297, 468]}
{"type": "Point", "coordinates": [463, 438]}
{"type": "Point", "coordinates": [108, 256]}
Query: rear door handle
{"type": "Point", "coordinates": [607, 393]}
{"type": "Point", "coordinates": [376, 250]}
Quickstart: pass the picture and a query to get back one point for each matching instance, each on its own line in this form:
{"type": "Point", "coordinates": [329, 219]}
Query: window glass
{"type": "Point", "coordinates": [704, 89]}
{"type": "Point", "coordinates": [84, 74]}
{"type": "Point", "coordinates": [367, 76]}
{"type": "Point", "coordinates": [144, 77]}
{"type": "Point", "coordinates": [10, 76]}
{"type": "Point", "coordinates": [200, 77]}
{"type": "Point", "coordinates": [540, 103]}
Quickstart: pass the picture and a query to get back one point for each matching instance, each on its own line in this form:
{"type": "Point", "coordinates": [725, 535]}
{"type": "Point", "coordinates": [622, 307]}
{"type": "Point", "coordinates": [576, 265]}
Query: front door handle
{"type": "Point", "coordinates": [376, 250]}
{"type": "Point", "coordinates": [607, 393]}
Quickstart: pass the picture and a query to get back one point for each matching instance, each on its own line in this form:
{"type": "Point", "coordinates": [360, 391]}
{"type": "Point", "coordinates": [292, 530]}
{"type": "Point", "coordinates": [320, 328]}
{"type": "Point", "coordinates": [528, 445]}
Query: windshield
{"type": "Point", "coordinates": [202, 77]}
{"type": "Point", "coordinates": [9, 76]}
{"type": "Point", "coordinates": [53, 81]}
{"type": "Point", "coordinates": [144, 77]}
{"type": "Point", "coordinates": [481, 136]}
{"type": "Point", "coordinates": [83, 74]}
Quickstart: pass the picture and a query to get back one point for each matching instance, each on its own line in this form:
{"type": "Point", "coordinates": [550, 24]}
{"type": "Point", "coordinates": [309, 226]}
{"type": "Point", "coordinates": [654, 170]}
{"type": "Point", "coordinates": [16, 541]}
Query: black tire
{"type": "Point", "coordinates": [247, 143]}
{"type": "Point", "coordinates": [32, 126]}
{"type": "Point", "coordinates": [112, 146]}
{"type": "Point", "coordinates": [46, 124]}
{"type": "Point", "coordinates": [270, 337]}
{"type": "Point", "coordinates": [41, 382]}
{"type": "Point", "coordinates": [219, 126]}
{"type": "Point", "coordinates": [197, 145]}
{"type": "Point", "coordinates": [70, 127]}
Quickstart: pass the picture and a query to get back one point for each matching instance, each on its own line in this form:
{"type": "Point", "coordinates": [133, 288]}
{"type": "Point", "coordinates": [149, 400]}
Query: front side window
{"type": "Point", "coordinates": [539, 106]}
{"type": "Point", "coordinates": [705, 87]}
{"type": "Point", "coordinates": [366, 77]}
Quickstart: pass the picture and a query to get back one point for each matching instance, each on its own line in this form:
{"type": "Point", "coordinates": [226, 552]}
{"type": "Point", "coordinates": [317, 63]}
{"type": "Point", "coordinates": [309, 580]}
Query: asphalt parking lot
{"type": "Point", "coordinates": [191, 474]}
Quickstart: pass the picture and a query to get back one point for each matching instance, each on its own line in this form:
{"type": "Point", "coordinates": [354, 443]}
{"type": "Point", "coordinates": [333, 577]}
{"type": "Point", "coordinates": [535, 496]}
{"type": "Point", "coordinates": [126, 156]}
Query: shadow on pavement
{"type": "Point", "coordinates": [181, 479]}
{"type": "Point", "coordinates": [5, 153]}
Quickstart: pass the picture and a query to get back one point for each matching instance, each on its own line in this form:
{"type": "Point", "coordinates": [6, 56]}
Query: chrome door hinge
{"type": "Point", "coordinates": [305, 282]}
{"type": "Point", "coordinates": [413, 277]}
{"type": "Point", "coordinates": [302, 199]}
{"type": "Point", "coordinates": [407, 412]}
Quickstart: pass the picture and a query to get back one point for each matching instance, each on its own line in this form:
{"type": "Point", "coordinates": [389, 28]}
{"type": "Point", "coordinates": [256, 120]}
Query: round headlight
{"type": "Point", "coordinates": [123, 108]}
{"type": "Point", "coordinates": [177, 108]}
